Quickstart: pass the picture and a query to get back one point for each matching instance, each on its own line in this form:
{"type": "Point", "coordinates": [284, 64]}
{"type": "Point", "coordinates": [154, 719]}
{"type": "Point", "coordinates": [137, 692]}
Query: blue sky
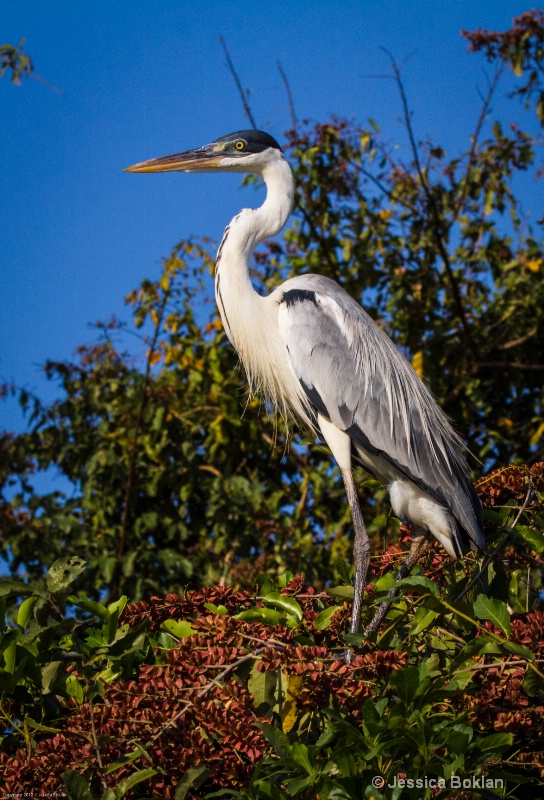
{"type": "Point", "coordinates": [143, 79]}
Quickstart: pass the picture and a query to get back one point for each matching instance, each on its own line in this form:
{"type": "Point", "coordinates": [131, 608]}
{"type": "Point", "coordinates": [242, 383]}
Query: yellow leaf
{"type": "Point", "coordinates": [289, 714]}
{"type": "Point", "coordinates": [417, 363]}
{"type": "Point", "coordinates": [537, 435]}
{"type": "Point", "coordinates": [505, 422]}
{"type": "Point", "coordinates": [154, 316]}
{"type": "Point", "coordinates": [165, 282]}
{"type": "Point", "coordinates": [534, 264]}
{"type": "Point", "coordinates": [154, 358]}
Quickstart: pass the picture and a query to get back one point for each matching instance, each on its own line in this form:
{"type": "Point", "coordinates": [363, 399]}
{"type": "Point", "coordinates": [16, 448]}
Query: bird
{"type": "Point", "coordinates": [317, 356]}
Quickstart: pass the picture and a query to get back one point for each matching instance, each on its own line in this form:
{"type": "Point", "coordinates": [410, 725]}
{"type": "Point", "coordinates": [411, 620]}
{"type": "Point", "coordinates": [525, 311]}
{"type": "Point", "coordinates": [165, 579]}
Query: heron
{"type": "Point", "coordinates": [318, 357]}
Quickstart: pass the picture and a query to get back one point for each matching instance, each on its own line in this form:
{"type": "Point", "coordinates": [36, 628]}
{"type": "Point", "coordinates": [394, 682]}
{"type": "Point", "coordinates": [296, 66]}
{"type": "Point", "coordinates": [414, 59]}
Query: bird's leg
{"type": "Point", "coordinates": [361, 550]}
{"type": "Point", "coordinates": [420, 543]}
{"type": "Point", "coordinates": [340, 445]}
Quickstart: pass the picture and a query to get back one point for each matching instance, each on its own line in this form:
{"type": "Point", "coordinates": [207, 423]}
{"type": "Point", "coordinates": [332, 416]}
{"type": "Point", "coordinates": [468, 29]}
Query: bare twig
{"type": "Point", "coordinates": [93, 734]}
{"type": "Point", "coordinates": [243, 93]}
{"type": "Point", "coordinates": [512, 365]}
{"type": "Point", "coordinates": [516, 663]}
{"type": "Point", "coordinates": [294, 121]}
{"type": "Point", "coordinates": [486, 102]}
{"type": "Point", "coordinates": [431, 200]}
{"type": "Point", "coordinates": [520, 340]}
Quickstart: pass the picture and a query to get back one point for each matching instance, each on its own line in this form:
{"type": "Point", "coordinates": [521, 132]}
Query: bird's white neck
{"type": "Point", "coordinates": [250, 320]}
{"type": "Point", "coordinates": [251, 226]}
{"type": "Point", "coordinates": [234, 292]}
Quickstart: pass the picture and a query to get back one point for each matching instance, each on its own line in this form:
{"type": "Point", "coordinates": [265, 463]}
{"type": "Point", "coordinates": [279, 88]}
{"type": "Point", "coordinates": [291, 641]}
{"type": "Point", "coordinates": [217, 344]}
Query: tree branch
{"type": "Point", "coordinates": [243, 93]}
{"type": "Point", "coordinates": [431, 200]}
{"type": "Point", "coordinates": [294, 121]}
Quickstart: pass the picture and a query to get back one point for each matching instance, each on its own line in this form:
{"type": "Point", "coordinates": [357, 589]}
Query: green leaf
{"type": "Point", "coordinates": [494, 610]}
{"type": "Point", "coordinates": [25, 610]}
{"type": "Point", "coordinates": [460, 681]}
{"type": "Point", "coordinates": [285, 603]}
{"type": "Point", "coordinates": [300, 753]}
{"type": "Point", "coordinates": [385, 583]}
{"type": "Point", "coordinates": [49, 675]}
{"type": "Point", "coordinates": [109, 628]}
{"type": "Point", "coordinates": [138, 752]}
{"type": "Point", "coordinates": [76, 785]}
{"type": "Point", "coordinates": [64, 572]}
{"type": "Point", "coordinates": [533, 684]}
{"type": "Point", "coordinates": [262, 686]}
{"type": "Point", "coordinates": [267, 615]}
{"type": "Point", "coordinates": [344, 570]}
{"type": "Point", "coordinates": [75, 689]}
{"type": "Point", "coordinates": [418, 582]}
{"type": "Point", "coordinates": [222, 610]}
{"type": "Point", "coordinates": [324, 618]}
{"type": "Point", "coordinates": [284, 579]}
{"type": "Point", "coordinates": [133, 780]}
{"type": "Point", "coordinates": [8, 682]}
{"type": "Point", "coordinates": [406, 683]}
{"type": "Point", "coordinates": [354, 639]}
{"type": "Point", "coordinates": [92, 606]}
{"type": "Point", "coordinates": [345, 592]}
{"type": "Point", "coordinates": [535, 539]}
{"type": "Point", "coordinates": [482, 644]}
{"type": "Point", "coordinates": [118, 606]}
{"type": "Point", "coordinates": [421, 620]}
{"type": "Point", "coordinates": [278, 739]}
{"type": "Point", "coordinates": [181, 630]}
{"type": "Point", "coordinates": [37, 726]}
{"type": "Point", "coordinates": [518, 650]}
{"type": "Point", "coordinates": [265, 584]}
{"type": "Point", "coordinates": [193, 779]}
{"type": "Point", "coordinates": [9, 586]}
{"type": "Point", "coordinates": [496, 742]}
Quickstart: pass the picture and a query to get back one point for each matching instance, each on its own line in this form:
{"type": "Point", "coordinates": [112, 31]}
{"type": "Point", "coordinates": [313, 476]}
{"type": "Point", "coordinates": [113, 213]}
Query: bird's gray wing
{"type": "Point", "coordinates": [353, 374]}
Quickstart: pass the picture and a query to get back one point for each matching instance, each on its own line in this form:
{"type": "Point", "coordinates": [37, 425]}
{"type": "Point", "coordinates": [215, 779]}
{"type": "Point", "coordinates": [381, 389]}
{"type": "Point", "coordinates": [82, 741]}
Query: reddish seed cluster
{"type": "Point", "coordinates": [502, 705]}
{"type": "Point", "coordinates": [326, 679]}
{"type": "Point", "coordinates": [510, 482]}
{"type": "Point", "coordinates": [173, 606]}
{"type": "Point", "coordinates": [191, 709]}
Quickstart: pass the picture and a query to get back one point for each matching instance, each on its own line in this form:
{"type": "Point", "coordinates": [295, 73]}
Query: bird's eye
{"type": "Point", "coordinates": [240, 144]}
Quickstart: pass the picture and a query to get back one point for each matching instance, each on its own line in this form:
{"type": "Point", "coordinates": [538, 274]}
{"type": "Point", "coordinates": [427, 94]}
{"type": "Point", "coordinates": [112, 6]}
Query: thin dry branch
{"type": "Point", "coordinates": [434, 212]}
{"type": "Point", "coordinates": [242, 92]}
{"type": "Point", "coordinates": [294, 121]}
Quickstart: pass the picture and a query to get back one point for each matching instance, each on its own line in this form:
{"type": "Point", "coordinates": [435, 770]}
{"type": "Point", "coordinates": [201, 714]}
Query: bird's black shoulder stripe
{"type": "Point", "coordinates": [315, 398]}
{"type": "Point", "coordinates": [292, 296]}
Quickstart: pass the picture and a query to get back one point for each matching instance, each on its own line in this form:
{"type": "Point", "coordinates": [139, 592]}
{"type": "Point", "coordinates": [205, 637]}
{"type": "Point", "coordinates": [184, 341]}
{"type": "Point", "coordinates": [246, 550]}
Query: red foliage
{"type": "Point", "coordinates": [495, 44]}
{"type": "Point", "coordinates": [510, 482]}
{"type": "Point", "coordinates": [191, 709]}
{"type": "Point", "coordinates": [502, 704]}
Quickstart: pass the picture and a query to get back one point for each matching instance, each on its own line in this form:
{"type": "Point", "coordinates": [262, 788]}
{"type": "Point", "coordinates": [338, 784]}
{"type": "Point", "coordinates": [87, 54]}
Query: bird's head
{"type": "Point", "coordinates": [242, 151]}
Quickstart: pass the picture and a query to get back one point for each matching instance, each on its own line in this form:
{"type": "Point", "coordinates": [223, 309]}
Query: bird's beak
{"type": "Point", "coordinates": [203, 159]}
